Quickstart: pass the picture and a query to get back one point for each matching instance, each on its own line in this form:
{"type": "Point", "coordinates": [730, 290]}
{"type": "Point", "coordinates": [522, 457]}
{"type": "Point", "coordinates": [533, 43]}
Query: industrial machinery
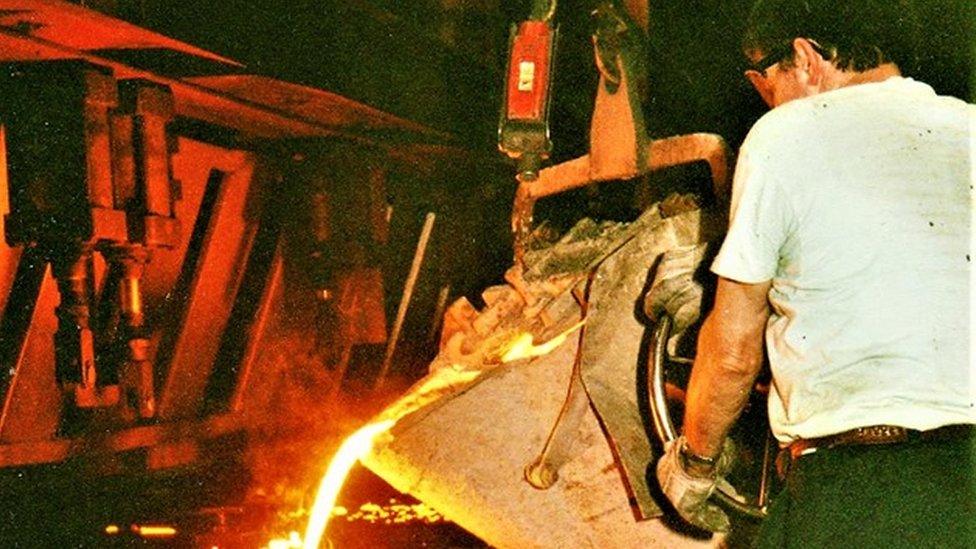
{"type": "Point", "coordinates": [575, 376]}
{"type": "Point", "coordinates": [523, 132]}
{"type": "Point", "coordinates": [174, 236]}
{"type": "Point", "coordinates": [199, 262]}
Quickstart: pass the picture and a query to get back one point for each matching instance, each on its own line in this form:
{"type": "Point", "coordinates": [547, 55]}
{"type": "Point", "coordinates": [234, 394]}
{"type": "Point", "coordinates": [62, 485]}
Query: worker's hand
{"type": "Point", "coordinates": [674, 291]}
{"type": "Point", "coordinates": [689, 493]}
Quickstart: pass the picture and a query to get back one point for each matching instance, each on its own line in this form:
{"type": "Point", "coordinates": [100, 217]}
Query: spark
{"type": "Point", "coordinates": [152, 531]}
{"type": "Point", "coordinates": [396, 513]}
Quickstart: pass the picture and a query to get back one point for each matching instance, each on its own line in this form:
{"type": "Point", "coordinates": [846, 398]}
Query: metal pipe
{"type": "Point", "coordinates": [662, 153]}
{"type": "Point", "coordinates": [659, 402]}
{"type": "Point", "coordinates": [418, 259]}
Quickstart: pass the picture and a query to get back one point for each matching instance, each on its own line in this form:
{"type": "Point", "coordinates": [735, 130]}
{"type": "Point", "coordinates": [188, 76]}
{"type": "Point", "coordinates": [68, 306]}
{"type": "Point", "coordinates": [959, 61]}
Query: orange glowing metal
{"type": "Point", "coordinates": [353, 448]}
{"type": "Point", "coordinates": [523, 346]}
{"type": "Point", "coordinates": [294, 541]}
{"type": "Point", "coordinates": [112, 529]}
{"type": "Point", "coordinates": [153, 531]}
{"type": "Point", "coordinates": [440, 382]}
{"type": "Point", "coordinates": [395, 513]}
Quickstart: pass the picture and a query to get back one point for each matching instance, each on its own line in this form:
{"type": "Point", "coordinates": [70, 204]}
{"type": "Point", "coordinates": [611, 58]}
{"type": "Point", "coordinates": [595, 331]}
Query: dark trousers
{"type": "Point", "coordinates": [911, 495]}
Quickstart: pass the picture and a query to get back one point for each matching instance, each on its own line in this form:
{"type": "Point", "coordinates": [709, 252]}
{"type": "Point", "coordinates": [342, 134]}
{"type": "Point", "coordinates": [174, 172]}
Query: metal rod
{"type": "Point", "coordinates": [543, 10]}
{"type": "Point", "coordinates": [341, 369]}
{"type": "Point", "coordinates": [543, 471]}
{"type": "Point", "coordinates": [438, 320]}
{"type": "Point", "coordinates": [766, 468]}
{"type": "Point", "coordinates": [658, 396]}
{"type": "Point", "coordinates": [418, 259]}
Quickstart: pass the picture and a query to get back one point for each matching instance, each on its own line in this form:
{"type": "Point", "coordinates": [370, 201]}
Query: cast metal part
{"type": "Point", "coordinates": [665, 431]}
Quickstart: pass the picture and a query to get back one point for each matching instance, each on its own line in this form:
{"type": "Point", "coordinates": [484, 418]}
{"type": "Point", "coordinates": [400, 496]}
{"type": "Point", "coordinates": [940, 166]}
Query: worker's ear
{"type": "Point", "coordinates": [808, 60]}
{"type": "Point", "coordinates": [761, 84]}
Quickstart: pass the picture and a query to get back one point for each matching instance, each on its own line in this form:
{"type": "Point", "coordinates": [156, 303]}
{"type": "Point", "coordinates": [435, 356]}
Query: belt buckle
{"type": "Point", "coordinates": [877, 434]}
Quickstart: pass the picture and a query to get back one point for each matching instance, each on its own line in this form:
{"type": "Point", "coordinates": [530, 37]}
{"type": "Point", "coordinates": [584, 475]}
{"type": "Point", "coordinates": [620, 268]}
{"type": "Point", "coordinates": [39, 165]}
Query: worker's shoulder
{"type": "Point", "coordinates": [890, 104]}
{"type": "Point", "coordinates": [793, 122]}
{"type": "Point", "coordinates": [780, 129]}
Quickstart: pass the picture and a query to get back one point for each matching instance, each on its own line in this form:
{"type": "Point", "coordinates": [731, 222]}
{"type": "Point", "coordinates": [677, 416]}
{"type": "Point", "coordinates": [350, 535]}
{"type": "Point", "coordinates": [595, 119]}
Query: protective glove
{"type": "Point", "coordinates": [674, 290]}
{"type": "Point", "coordinates": [688, 493]}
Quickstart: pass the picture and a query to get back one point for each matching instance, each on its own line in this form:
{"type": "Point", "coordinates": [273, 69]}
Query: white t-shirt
{"type": "Point", "coordinates": [857, 203]}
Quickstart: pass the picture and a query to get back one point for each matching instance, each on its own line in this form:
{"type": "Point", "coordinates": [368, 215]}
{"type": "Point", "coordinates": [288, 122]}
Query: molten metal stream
{"type": "Point", "coordinates": [524, 347]}
{"type": "Point", "coordinates": [361, 442]}
{"type": "Point", "coordinates": [353, 448]}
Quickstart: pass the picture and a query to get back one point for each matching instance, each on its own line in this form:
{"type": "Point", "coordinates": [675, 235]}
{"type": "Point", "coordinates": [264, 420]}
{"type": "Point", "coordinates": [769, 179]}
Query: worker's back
{"type": "Point", "coordinates": [861, 198]}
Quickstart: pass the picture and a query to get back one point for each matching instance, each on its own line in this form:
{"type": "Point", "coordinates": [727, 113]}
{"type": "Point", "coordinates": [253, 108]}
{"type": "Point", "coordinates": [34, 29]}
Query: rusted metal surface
{"type": "Point", "coordinates": [210, 295]}
{"type": "Point", "coordinates": [174, 247]}
{"type": "Point", "coordinates": [270, 303]}
{"type": "Point", "coordinates": [32, 403]}
{"type": "Point", "coordinates": [278, 110]}
{"type": "Point", "coordinates": [84, 29]}
{"type": "Point", "coordinates": [662, 153]}
{"type": "Point", "coordinates": [619, 147]}
{"type": "Point", "coordinates": [322, 107]}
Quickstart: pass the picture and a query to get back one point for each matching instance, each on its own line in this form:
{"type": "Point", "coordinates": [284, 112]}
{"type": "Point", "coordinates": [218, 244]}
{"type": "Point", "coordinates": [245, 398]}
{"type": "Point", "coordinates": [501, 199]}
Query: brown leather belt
{"type": "Point", "coordinates": [877, 434]}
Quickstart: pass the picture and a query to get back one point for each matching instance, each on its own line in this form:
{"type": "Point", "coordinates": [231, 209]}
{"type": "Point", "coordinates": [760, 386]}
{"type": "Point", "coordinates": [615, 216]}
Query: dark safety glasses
{"type": "Point", "coordinates": [778, 54]}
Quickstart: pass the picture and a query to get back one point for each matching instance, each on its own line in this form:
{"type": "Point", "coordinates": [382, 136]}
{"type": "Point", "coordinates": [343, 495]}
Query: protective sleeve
{"type": "Point", "coordinates": [760, 219]}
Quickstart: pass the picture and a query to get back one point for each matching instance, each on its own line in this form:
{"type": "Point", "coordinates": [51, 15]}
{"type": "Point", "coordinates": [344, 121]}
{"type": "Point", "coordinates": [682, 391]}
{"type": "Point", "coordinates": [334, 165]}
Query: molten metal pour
{"type": "Point", "coordinates": [358, 444]}
{"type": "Point", "coordinates": [349, 453]}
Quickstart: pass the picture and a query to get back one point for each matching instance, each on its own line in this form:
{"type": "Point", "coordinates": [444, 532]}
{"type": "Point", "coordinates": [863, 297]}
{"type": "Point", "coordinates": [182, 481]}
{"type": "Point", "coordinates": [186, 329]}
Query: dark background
{"type": "Point", "coordinates": [440, 61]}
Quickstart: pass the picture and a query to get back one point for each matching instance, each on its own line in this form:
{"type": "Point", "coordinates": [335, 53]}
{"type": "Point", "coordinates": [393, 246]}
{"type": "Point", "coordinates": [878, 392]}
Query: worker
{"type": "Point", "coordinates": [849, 251]}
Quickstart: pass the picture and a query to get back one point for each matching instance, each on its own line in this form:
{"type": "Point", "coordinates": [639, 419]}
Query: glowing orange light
{"type": "Point", "coordinates": [154, 531]}
{"type": "Point", "coordinates": [294, 541]}
{"type": "Point", "coordinates": [394, 512]}
{"type": "Point", "coordinates": [112, 529]}
{"type": "Point", "coordinates": [442, 381]}
{"type": "Point", "coordinates": [353, 448]}
{"type": "Point", "coordinates": [523, 346]}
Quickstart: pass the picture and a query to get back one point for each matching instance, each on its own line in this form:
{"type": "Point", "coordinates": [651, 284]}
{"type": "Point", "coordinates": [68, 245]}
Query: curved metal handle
{"type": "Point", "coordinates": [661, 416]}
{"type": "Point", "coordinates": [663, 426]}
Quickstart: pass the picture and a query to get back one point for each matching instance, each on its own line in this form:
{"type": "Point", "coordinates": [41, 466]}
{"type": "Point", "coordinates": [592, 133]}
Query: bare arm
{"type": "Point", "coordinates": [729, 357]}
